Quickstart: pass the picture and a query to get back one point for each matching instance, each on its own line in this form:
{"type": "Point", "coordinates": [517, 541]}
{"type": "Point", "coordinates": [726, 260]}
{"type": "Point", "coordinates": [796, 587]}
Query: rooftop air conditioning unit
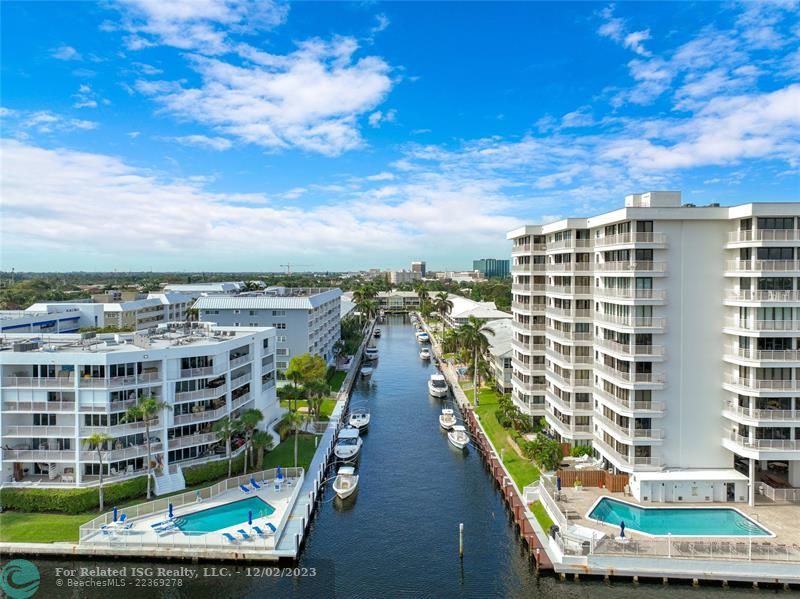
{"type": "Point", "coordinates": [26, 345]}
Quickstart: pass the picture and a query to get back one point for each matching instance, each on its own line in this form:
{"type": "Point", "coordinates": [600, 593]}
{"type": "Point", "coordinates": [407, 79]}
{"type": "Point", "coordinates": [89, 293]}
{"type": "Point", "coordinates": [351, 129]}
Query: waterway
{"type": "Point", "coordinates": [398, 537]}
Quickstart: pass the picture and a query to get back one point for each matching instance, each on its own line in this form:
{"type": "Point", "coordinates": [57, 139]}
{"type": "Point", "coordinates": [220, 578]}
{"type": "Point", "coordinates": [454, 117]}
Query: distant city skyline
{"type": "Point", "coordinates": [238, 136]}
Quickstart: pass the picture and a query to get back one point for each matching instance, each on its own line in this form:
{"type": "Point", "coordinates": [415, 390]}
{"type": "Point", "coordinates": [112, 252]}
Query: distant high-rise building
{"type": "Point", "coordinates": [404, 276]}
{"type": "Point", "coordinates": [418, 267]}
{"type": "Point", "coordinates": [492, 268]}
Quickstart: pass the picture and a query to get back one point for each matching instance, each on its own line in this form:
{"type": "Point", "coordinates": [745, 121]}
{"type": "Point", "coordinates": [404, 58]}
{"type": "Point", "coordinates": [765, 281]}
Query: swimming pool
{"type": "Point", "coordinates": [689, 522]}
{"type": "Point", "coordinates": [224, 516]}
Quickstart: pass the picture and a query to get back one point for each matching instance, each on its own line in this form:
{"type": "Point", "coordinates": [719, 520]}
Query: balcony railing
{"type": "Point", "coordinates": [39, 431]}
{"type": "Point", "coordinates": [634, 322]}
{"type": "Point", "coordinates": [527, 386]}
{"type": "Point", "coordinates": [631, 377]}
{"type": "Point", "coordinates": [569, 244]}
{"type": "Point", "coordinates": [241, 360]}
{"type": "Point", "coordinates": [771, 444]}
{"type": "Point", "coordinates": [12, 405]}
{"type": "Point", "coordinates": [528, 307]}
{"type": "Point", "coordinates": [764, 235]}
{"type": "Point", "coordinates": [115, 455]}
{"type": "Point", "coordinates": [209, 393]}
{"type": "Point", "coordinates": [624, 459]}
{"type": "Point", "coordinates": [628, 238]}
{"type": "Point", "coordinates": [763, 265]}
{"type": "Point", "coordinates": [570, 358]}
{"type": "Point", "coordinates": [630, 431]}
{"type": "Point", "coordinates": [149, 378]}
{"type": "Point", "coordinates": [117, 430]}
{"type": "Point", "coordinates": [39, 455]}
{"type": "Point", "coordinates": [568, 406]}
{"type": "Point", "coordinates": [629, 405]}
{"type": "Point", "coordinates": [766, 355]}
{"type": "Point", "coordinates": [642, 266]}
{"type": "Point", "coordinates": [200, 416]}
{"type": "Point", "coordinates": [571, 381]}
{"type": "Point", "coordinates": [763, 384]}
{"type": "Point", "coordinates": [763, 295]}
{"type": "Point", "coordinates": [630, 349]}
{"type": "Point", "coordinates": [189, 440]}
{"type": "Point", "coordinates": [240, 380]}
{"type": "Point", "coordinates": [569, 335]}
{"type": "Point", "coordinates": [39, 383]}
{"type": "Point", "coordinates": [569, 267]}
{"type": "Point", "coordinates": [568, 312]}
{"type": "Point", "coordinates": [522, 248]}
{"type": "Point", "coordinates": [531, 267]}
{"type": "Point", "coordinates": [764, 325]}
{"type": "Point", "coordinates": [241, 400]}
{"type": "Point", "coordinates": [568, 290]}
{"type": "Point", "coordinates": [567, 429]}
{"type": "Point", "coordinates": [756, 414]}
{"type": "Point", "coordinates": [630, 293]}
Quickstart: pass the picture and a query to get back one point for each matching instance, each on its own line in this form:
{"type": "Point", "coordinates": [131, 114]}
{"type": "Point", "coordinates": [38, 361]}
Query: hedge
{"type": "Point", "coordinates": [71, 501]}
{"type": "Point", "coordinates": [212, 471]}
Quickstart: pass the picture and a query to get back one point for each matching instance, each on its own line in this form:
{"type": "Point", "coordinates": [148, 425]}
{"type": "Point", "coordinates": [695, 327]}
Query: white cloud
{"type": "Point", "coordinates": [22, 122]}
{"type": "Point", "coordinates": [615, 28]}
{"type": "Point", "coordinates": [134, 134]}
{"type": "Point", "coordinates": [85, 97]}
{"type": "Point", "coordinates": [66, 53]}
{"type": "Point", "coordinates": [378, 117]}
{"type": "Point", "coordinates": [309, 99]}
{"type": "Point", "coordinates": [213, 143]}
{"type": "Point", "coordinates": [200, 25]}
{"type": "Point", "coordinates": [384, 176]}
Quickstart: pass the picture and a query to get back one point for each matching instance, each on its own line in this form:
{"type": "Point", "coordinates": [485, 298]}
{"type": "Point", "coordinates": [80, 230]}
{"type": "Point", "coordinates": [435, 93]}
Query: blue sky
{"type": "Point", "coordinates": [200, 135]}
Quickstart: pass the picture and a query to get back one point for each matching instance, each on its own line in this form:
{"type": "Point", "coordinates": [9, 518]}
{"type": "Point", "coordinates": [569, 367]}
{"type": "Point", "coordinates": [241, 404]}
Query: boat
{"type": "Point", "coordinates": [376, 333]}
{"type": "Point", "coordinates": [346, 482]}
{"type": "Point", "coordinates": [447, 419]}
{"type": "Point", "coordinates": [437, 385]}
{"type": "Point", "coordinates": [348, 444]}
{"type": "Point", "coordinates": [366, 371]}
{"type": "Point", "coordinates": [425, 354]}
{"type": "Point", "coordinates": [359, 418]}
{"type": "Point", "coordinates": [370, 353]}
{"type": "Point", "coordinates": [423, 337]}
{"type": "Point", "coordinates": [458, 437]}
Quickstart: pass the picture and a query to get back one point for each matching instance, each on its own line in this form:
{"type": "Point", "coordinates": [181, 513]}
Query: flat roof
{"type": "Point", "coordinates": [723, 474]}
{"type": "Point", "coordinates": [250, 301]}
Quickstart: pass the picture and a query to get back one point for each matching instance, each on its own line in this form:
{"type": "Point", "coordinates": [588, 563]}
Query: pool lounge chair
{"type": "Point", "coordinates": [230, 538]}
{"type": "Point", "coordinates": [259, 531]}
{"type": "Point", "coordinates": [245, 489]}
{"type": "Point", "coordinates": [245, 536]}
{"type": "Point", "coordinates": [254, 484]}
{"type": "Point", "coordinates": [162, 524]}
{"type": "Point", "coordinates": [271, 527]}
{"type": "Point", "coordinates": [122, 518]}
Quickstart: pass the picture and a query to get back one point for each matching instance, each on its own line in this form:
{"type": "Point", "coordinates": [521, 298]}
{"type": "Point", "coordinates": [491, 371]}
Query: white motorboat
{"type": "Point", "coordinates": [437, 385]}
{"type": "Point", "coordinates": [371, 353]}
{"type": "Point", "coordinates": [366, 371]}
{"type": "Point", "coordinates": [425, 354]}
{"type": "Point", "coordinates": [359, 418]}
{"type": "Point", "coordinates": [376, 333]}
{"type": "Point", "coordinates": [423, 337]}
{"type": "Point", "coordinates": [458, 437]}
{"type": "Point", "coordinates": [346, 482]}
{"type": "Point", "coordinates": [348, 444]}
{"type": "Point", "coordinates": [447, 419]}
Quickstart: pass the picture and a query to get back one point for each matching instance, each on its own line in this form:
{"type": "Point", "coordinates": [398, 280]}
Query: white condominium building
{"type": "Point", "coordinates": [58, 390]}
{"type": "Point", "coordinates": [667, 337]}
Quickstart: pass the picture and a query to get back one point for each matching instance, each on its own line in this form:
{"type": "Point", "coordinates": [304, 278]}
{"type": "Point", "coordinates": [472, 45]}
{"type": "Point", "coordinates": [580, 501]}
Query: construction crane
{"type": "Point", "coordinates": [289, 266]}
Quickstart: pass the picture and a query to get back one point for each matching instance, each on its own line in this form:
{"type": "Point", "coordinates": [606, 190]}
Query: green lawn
{"type": "Point", "coordinates": [18, 527]}
{"type": "Point", "coordinates": [541, 515]}
{"type": "Point", "coordinates": [336, 380]}
{"type": "Point", "coordinates": [283, 454]}
{"type": "Point", "coordinates": [523, 471]}
{"type": "Point", "coordinates": [327, 407]}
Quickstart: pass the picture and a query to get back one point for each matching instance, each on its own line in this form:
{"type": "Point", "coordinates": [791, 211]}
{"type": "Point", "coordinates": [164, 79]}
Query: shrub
{"type": "Point", "coordinates": [581, 450]}
{"type": "Point", "coordinates": [71, 501]}
{"type": "Point", "coordinates": [212, 471]}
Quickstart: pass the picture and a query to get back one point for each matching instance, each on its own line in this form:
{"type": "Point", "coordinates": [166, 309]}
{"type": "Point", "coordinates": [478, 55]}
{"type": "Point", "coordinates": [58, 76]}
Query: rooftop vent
{"type": "Point", "coordinates": [26, 345]}
{"type": "Point", "coordinates": [690, 205]}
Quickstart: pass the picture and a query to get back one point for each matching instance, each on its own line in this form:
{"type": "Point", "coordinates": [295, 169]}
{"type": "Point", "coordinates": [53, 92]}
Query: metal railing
{"type": "Point", "coordinates": [757, 414]}
{"type": "Point", "coordinates": [241, 360]}
{"type": "Point", "coordinates": [751, 549]}
{"type": "Point", "coordinates": [569, 244]}
{"type": "Point", "coordinates": [764, 235]}
{"type": "Point", "coordinates": [633, 266]}
{"type": "Point", "coordinates": [630, 293]}
{"type": "Point", "coordinates": [632, 377]}
{"type": "Point", "coordinates": [39, 431]}
{"type": "Point", "coordinates": [569, 290]}
{"type": "Point", "coordinates": [772, 444]}
{"type": "Point", "coordinates": [630, 431]}
{"type": "Point", "coordinates": [788, 495]}
{"type": "Point", "coordinates": [624, 459]}
{"type": "Point", "coordinates": [630, 349]}
{"type": "Point", "coordinates": [764, 325]}
{"type": "Point", "coordinates": [763, 384]}
{"type": "Point", "coordinates": [208, 393]}
{"type": "Point", "coordinates": [627, 238]}
{"type": "Point", "coordinates": [13, 405]}
{"type": "Point", "coordinates": [628, 404]}
{"type": "Point", "coordinates": [569, 267]}
{"type": "Point", "coordinates": [189, 440]}
{"type": "Point", "coordinates": [634, 322]}
{"type": "Point", "coordinates": [763, 265]}
{"type": "Point", "coordinates": [763, 295]}
{"type": "Point", "coordinates": [200, 416]}
{"type": "Point", "coordinates": [785, 355]}
{"type": "Point", "coordinates": [45, 382]}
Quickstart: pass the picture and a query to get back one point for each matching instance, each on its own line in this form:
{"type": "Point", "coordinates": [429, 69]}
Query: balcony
{"type": "Point", "coordinates": [768, 444]}
{"type": "Point", "coordinates": [762, 295]}
{"type": "Point", "coordinates": [39, 431]}
{"type": "Point", "coordinates": [209, 393]}
{"type": "Point", "coordinates": [569, 407]}
{"type": "Point", "coordinates": [629, 406]}
{"type": "Point", "coordinates": [625, 462]}
{"type": "Point", "coordinates": [10, 405]}
{"type": "Point", "coordinates": [652, 378]}
{"type": "Point", "coordinates": [521, 248]}
{"type": "Point", "coordinates": [571, 381]}
{"type": "Point", "coordinates": [568, 290]}
{"type": "Point", "coordinates": [118, 430]}
{"type": "Point", "coordinates": [568, 335]}
{"type": "Point", "coordinates": [243, 399]}
{"type": "Point", "coordinates": [135, 451]}
{"type": "Point", "coordinates": [630, 432]}
{"type": "Point", "coordinates": [763, 325]}
{"type": "Point", "coordinates": [763, 355]}
{"type": "Point", "coordinates": [630, 293]}
{"type": "Point", "coordinates": [187, 373]}
{"type": "Point", "coordinates": [200, 416]}
{"type": "Point", "coordinates": [630, 239]}
{"type": "Point", "coordinates": [151, 378]}
{"type": "Point", "coordinates": [523, 366]}
{"type": "Point", "coordinates": [38, 455]}
{"type": "Point", "coordinates": [190, 440]}
{"type": "Point", "coordinates": [528, 387]}
{"type": "Point", "coordinates": [570, 359]}
{"type": "Point", "coordinates": [764, 235]}
{"type": "Point", "coordinates": [568, 312]}
{"type": "Point", "coordinates": [731, 409]}
{"type": "Point", "coordinates": [758, 266]}
{"type": "Point", "coordinates": [630, 350]}
{"type": "Point", "coordinates": [632, 322]}
{"type": "Point", "coordinates": [39, 383]}
{"type": "Point", "coordinates": [637, 267]}
{"type": "Point", "coordinates": [240, 360]}
{"type": "Point", "coordinates": [529, 268]}
{"type": "Point", "coordinates": [240, 380]}
{"type": "Point", "coordinates": [528, 308]}
{"type": "Point", "coordinates": [568, 430]}
{"type": "Point", "coordinates": [763, 384]}
{"type": "Point", "coordinates": [569, 244]}
{"type": "Point", "coordinates": [569, 267]}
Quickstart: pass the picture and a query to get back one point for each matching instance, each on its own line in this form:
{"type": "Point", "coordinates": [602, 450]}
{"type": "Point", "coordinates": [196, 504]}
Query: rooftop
{"type": "Point", "coordinates": [289, 299]}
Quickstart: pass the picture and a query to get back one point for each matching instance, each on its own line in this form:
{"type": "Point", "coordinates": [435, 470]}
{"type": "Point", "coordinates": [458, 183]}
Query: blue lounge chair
{"type": "Point", "coordinates": [271, 527]}
{"type": "Point", "coordinates": [245, 536]}
{"type": "Point", "coordinates": [245, 489]}
{"type": "Point", "coordinates": [122, 518]}
{"type": "Point", "coordinates": [162, 523]}
{"type": "Point", "coordinates": [254, 484]}
{"type": "Point", "coordinates": [258, 531]}
{"type": "Point", "coordinates": [230, 538]}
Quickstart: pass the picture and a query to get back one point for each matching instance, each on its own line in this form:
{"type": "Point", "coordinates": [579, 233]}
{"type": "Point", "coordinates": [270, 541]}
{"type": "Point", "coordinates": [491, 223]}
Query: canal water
{"type": "Point", "coordinates": [398, 536]}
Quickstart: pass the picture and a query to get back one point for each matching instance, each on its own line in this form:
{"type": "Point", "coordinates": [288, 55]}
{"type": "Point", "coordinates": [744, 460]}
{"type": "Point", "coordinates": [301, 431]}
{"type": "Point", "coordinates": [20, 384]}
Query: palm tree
{"type": "Point", "coordinates": [97, 440]}
{"type": "Point", "coordinates": [226, 429]}
{"type": "Point", "coordinates": [192, 314]}
{"type": "Point", "coordinates": [368, 309]}
{"type": "Point", "coordinates": [443, 305]}
{"type": "Point", "coordinates": [262, 441]}
{"type": "Point", "coordinates": [472, 335]}
{"type": "Point", "coordinates": [249, 422]}
{"type": "Point", "coordinates": [422, 293]}
{"type": "Point", "coordinates": [147, 410]}
{"type": "Point", "coordinates": [295, 421]}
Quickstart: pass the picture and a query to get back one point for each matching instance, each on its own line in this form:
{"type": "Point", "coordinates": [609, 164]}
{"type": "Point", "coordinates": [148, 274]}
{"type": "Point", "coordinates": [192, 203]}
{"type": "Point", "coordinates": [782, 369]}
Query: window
{"type": "Point", "coordinates": [253, 312]}
{"type": "Point", "coordinates": [774, 253]}
{"type": "Point", "coordinates": [281, 365]}
{"type": "Point", "coordinates": [279, 325]}
{"type": "Point", "coordinates": [282, 351]}
{"type": "Point", "coordinates": [644, 226]}
{"type": "Point", "coordinates": [281, 339]}
{"type": "Point", "coordinates": [44, 419]}
{"type": "Point", "coordinates": [237, 311]}
{"type": "Point", "coordinates": [279, 312]}
{"type": "Point", "coordinates": [776, 222]}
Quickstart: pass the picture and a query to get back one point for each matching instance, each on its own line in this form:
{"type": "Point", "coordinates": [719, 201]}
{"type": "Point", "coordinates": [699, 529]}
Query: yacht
{"type": "Point", "coordinates": [359, 418]}
{"type": "Point", "coordinates": [366, 371]}
{"type": "Point", "coordinates": [437, 385]}
{"type": "Point", "coordinates": [423, 337]}
{"type": "Point", "coordinates": [447, 419]}
{"type": "Point", "coordinates": [346, 482]}
{"type": "Point", "coordinates": [370, 353]}
{"type": "Point", "coordinates": [425, 354]}
{"type": "Point", "coordinates": [348, 444]}
{"type": "Point", "coordinates": [458, 437]}
{"type": "Point", "coordinates": [376, 333]}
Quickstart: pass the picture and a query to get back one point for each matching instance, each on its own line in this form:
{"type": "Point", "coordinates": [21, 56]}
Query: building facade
{"type": "Point", "coordinates": [49, 318]}
{"type": "Point", "coordinates": [306, 320]}
{"type": "Point", "coordinates": [58, 390]}
{"type": "Point", "coordinates": [419, 267]}
{"type": "Point", "coordinates": [665, 337]}
{"type": "Point", "coordinates": [492, 268]}
{"type": "Point", "coordinates": [398, 277]}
